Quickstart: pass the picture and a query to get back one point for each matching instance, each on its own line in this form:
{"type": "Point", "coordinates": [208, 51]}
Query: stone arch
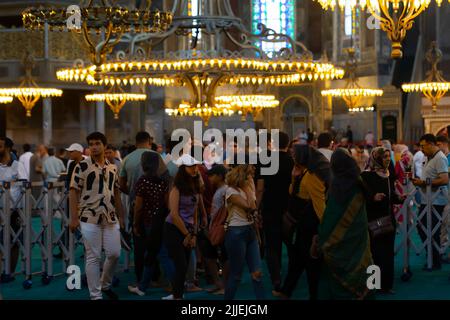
{"type": "Point", "coordinates": [300, 97]}
{"type": "Point", "coordinates": [296, 111]}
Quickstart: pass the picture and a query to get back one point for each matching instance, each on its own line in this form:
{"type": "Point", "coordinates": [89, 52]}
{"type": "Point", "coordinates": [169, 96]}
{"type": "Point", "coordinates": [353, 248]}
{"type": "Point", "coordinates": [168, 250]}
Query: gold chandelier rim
{"type": "Point", "coordinates": [161, 71]}
{"type": "Point", "coordinates": [116, 97]}
{"type": "Point", "coordinates": [31, 91]}
{"type": "Point", "coordinates": [254, 101]}
{"type": "Point", "coordinates": [6, 99]}
{"type": "Point", "coordinates": [426, 86]}
{"type": "Point", "coordinates": [352, 92]}
{"type": "Point", "coordinates": [187, 109]}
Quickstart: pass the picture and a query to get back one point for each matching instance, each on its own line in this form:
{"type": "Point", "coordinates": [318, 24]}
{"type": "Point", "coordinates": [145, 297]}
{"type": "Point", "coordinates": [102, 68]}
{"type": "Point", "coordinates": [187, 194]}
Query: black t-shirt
{"type": "Point", "coordinates": [276, 187]}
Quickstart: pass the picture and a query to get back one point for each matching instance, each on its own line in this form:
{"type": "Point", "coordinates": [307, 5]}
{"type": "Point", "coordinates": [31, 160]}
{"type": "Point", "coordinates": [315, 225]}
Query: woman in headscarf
{"type": "Point", "coordinates": [343, 240]}
{"type": "Point", "coordinates": [380, 199]}
{"type": "Point", "coordinates": [310, 178]}
{"type": "Point", "coordinates": [387, 145]}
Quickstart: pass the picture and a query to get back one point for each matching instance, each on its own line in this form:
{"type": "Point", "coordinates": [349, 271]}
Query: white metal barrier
{"type": "Point", "coordinates": [43, 227]}
{"type": "Point", "coordinates": [412, 214]}
{"type": "Point", "coordinates": [51, 230]}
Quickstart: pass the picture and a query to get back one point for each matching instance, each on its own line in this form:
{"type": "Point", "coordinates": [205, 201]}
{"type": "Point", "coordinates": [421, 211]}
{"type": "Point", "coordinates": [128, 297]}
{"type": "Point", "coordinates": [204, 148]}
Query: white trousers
{"type": "Point", "coordinates": [97, 237]}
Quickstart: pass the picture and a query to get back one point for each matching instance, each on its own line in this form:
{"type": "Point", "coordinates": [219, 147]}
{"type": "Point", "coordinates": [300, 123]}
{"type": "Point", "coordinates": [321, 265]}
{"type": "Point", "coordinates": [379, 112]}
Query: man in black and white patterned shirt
{"type": "Point", "coordinates": [96, 207]}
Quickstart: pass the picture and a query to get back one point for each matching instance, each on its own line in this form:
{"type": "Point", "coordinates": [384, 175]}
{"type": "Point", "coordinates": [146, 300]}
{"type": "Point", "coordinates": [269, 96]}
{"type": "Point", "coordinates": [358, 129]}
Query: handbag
{"type": "Point", "coordinates": [217, 228]}
{"type": "Point", "coordinates": [381, 226]}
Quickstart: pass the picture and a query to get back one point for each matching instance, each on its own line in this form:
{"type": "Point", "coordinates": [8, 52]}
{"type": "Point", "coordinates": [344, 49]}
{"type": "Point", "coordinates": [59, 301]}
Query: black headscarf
{"type": "Point", "coordinates": [345, 174]}
{"type": "Point", "coordinates": [314, 161]}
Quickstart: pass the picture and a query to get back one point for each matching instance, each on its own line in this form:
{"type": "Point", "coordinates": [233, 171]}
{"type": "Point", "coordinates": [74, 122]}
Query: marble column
{"type": "Point", "coordinates": [100, 116]}
{"type": "Point", "coordinates": [47, 125]}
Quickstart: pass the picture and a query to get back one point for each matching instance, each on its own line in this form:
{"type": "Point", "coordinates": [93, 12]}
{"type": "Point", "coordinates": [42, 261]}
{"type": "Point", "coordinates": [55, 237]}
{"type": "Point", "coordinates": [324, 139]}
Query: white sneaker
{"type": "Point", "coordinates": [136, 290]}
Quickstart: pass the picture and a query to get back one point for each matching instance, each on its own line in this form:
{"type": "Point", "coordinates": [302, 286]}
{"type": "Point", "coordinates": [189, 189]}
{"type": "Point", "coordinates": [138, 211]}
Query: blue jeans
{"type": "Point", "coordinates": [166, 263]}
{"type": "Point", "coordinates": [242, 246]}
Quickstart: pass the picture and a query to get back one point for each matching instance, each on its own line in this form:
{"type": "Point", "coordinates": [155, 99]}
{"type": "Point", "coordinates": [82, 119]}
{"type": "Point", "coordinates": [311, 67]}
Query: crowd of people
{"type": "Point", "coordinates": [332, 205]}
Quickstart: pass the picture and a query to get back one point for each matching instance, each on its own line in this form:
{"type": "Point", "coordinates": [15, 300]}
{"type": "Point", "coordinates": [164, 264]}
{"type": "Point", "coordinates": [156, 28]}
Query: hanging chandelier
{"type": "Point", "coordinates": [205, 112]}
{"type": "Point", "coordinates": [116, 98]}
{"type": "Point", "coordinates": [435, 86]}
{"type": "Point", "coordinates": [242, 71]}
{"type": "Point", "coordinates": [92, 20]}
{"type": "Point", "coordinates": [6, 99]}
{"type": "Point", "coordinates": [353, 93]}
{"type": "Point", "coordinates": [395, 16]}
{"type": "Point", "coordinates": [202, 60]}
{"type": "Point", "coordinates": [248, 104]}
{"type": "Point", "coordinates": [28, 91]}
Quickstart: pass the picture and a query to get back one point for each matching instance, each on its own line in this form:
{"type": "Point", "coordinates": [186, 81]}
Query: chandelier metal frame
{"type": "Point", "coordinates": [28, 92]}
{"type": "Point", "coordinates": [202, 70]}
{"type": "Point", "coordinates": [434, 87]}
{"type": "Point", "coordinates": [246, 104]}
{"type": "Point", "coordinates": [116, 98]}
{"type": "Point", "coordinates": [396, 17]}
{"type": "Point", "coordinates": [93, 20]}
{"type": "Point", "coordinates": [353, 93]}
{"type": "Point", "coordinates": [205, 112]}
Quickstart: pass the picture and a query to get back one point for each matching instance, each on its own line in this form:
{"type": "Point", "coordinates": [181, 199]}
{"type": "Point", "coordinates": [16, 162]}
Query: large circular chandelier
{"type": "Point", "coordinates": [242, 71]}
{"type": "Point", "coordinates": [203, 64]}
{"type": "Point", "coordinates": [116, 98]}
{"type": "Point", "coordinates": [93, 19]}
{"type": "Point", "coordinates": [248, 104]}
{"type": "Point", "coordinates": [28, 91]}
{"type": "Point", "coordinates": [205, 112]}
{"type": "Point", "coordinates": [435, 86]}
{"type": "Point", "coordinates": [395, 16]}
{"type": "Point", "coordinates": [353, 93]}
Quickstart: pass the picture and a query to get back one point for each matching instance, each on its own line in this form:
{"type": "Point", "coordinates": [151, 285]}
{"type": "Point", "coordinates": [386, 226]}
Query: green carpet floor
{"type": "Point", "coordinates": [423, 285]}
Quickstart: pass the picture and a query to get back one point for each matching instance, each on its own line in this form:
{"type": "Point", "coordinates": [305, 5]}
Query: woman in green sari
{"type": "Point", "coordinates": [343, 240]}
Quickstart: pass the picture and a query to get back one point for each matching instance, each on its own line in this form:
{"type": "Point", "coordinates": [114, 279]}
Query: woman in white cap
{"type": "Point", "coordinates": [180, 232]}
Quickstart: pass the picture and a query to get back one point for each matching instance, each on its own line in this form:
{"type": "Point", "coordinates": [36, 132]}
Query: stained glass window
{"type": "Point", "coordinates": [278, 15]}
{"type": "Point", "coordinates": [351, 21]}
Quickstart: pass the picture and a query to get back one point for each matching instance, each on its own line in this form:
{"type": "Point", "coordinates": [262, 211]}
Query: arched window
{"type": "Point", "coordinates": [278, 15]}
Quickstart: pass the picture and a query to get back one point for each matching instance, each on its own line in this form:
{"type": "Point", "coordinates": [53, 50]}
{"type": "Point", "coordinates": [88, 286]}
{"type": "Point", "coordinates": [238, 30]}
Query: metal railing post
{"type": "Point", "coordinates": [27, 237]}
{"type": "Point", "coordinates": [429, 226]}
{"type": "Point", "coordinates": [7, 229]}
{"type": "Point", "coordinates": [403, 210]}
{"type": "Point", "coordinates": [49, 228]}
